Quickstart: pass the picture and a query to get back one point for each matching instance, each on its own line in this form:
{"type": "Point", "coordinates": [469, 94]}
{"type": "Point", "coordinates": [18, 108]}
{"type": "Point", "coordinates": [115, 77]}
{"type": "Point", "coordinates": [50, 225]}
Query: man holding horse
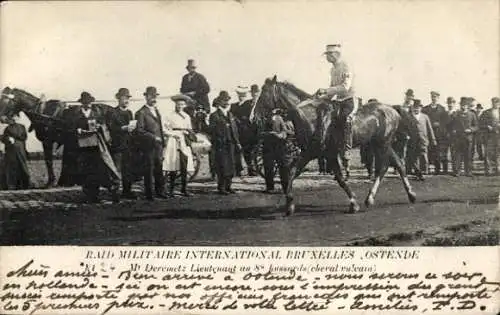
{"type": "Point", "coordinates": [341, 94]}
{"type": "Point", "coordinates": [241, 111]}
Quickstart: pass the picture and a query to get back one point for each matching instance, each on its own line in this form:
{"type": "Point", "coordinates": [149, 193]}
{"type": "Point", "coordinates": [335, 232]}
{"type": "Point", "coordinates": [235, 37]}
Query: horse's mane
{"type": "Point", "coordinates": [300, 93]}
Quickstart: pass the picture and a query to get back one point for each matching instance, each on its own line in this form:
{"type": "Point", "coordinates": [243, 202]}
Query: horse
{"type": "Point", "coordinates": [49, 120]}
{"type": "Point", "coordinates": [375, 124]}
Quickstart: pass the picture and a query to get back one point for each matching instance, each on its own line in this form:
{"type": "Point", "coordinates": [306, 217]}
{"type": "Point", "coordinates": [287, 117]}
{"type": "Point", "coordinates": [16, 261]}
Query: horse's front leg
{"type": "Point", "coordinates": [337, 172]}
{"type": "Point", "coordinates": [381, 166]}
{"type": "Point", "coordinates": [394, 157]}
{"type": "Point", "coordinates": [49, 163]}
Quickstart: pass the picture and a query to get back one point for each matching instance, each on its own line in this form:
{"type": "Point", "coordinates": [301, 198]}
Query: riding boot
{"type": "Point", "coordinates": [171, 176]}
{"type": "Point", "coordinates": [347, 145]}
{"type": "Point", "coordinates": [445, 167]}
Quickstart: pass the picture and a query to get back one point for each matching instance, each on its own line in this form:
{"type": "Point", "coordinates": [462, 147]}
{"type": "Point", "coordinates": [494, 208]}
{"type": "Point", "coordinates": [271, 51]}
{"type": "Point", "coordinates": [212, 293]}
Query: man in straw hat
{"type": "Point", "coordinates": [225, 141]}
{"type": "Point", "coordinates": [341, 92]}
{"type": "Point", "coordinates": [95, 163]}
{"type": "Point", "coordinates": [196, 86]}
{"type": "Point", "coordinates": [150, 132]}
{"type": "Point", "coordinates": [418, 145]}
{"type": "Point", "coordinates": [178, 156]}
{"type": "Point", "coordinates": [440, 120]}
{"type": "Point", "coordinates": [121, 124]}
{"type": "Point", "coordinates": [462, 127]}
{"type": "Point", "coordinates": [241, 111]}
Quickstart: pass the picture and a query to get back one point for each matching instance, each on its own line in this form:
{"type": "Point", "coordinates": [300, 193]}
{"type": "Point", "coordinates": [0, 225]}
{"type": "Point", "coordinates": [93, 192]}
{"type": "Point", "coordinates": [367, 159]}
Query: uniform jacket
{"type": "Point", "coordinates": [116, 119]}
{"type": "Point", "coordinates": [425, 133]}
{"type": "Point", "coordinates": [149, 127]}
{"type": "Point", "coordinates": [341, 83]}
{"type": "Point", "coordinates": [197, 83]}
{"type": "Point", "coordinates": [461, 121]}
{"type": "Point", "coordinates": [439, 118]}
{"type": "Point", "coordinates": [488, 119]}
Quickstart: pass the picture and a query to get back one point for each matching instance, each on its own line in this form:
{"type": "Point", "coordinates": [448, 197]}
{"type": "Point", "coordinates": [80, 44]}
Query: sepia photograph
{"type": "Point", "coordinates": [250, 123]}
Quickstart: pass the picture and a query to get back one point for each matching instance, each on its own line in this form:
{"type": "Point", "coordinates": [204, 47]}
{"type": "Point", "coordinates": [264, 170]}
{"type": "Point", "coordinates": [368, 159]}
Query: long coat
{"type": "Point", "coordinates": [225, 139]}
{"type": "Point", "coordinates": [92, 170]}
{"type": "Point", "coordinates": [461, 121]}
{"type": "Point", "coordinates": [197, 83]}
{"type": "Point", "coordinates": [424, 132]}
{"type": "Point", "coordinates": [149, 126]}
{"type": "Point", "coordinates": [15, 164]}
{"type": "Point", "coordinates": [439, 119]}
{"type": "Point", "coordinates": [116, 119]}
{"type": "Point", "coordinates": [487, 119]}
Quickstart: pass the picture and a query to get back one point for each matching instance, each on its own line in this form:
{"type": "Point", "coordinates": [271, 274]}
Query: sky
{"type": "Point", "coordinates": [63, 48]}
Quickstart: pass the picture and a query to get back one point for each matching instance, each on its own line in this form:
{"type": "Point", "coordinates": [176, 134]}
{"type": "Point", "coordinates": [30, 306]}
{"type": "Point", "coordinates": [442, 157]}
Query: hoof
{"type": "Point", "coordinates": [50, 184]}
{"type": "Point", "coordinates": [290, 210]}
{"type": "Point", "coordinates": [412, 197]}
{"type": "Point", "coordinates": [353, 207]}
{"type": "Point", "coordinates": [369, 201]}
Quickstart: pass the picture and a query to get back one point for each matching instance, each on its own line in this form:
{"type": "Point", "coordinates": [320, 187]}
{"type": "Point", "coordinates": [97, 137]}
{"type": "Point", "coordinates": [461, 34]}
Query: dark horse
{"type": "Point", "coordinates": [48, 120]}
{"type": "Point", "coordinates": [375, 124]}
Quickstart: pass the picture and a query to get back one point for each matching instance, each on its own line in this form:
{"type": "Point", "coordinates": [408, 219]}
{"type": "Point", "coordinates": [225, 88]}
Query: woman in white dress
{"type": "Point", "coordinates": [178, 156]}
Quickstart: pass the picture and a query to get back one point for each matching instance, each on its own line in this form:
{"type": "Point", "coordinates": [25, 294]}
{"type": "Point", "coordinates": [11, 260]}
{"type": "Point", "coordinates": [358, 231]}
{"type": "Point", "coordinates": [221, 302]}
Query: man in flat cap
{"type": "Point", "coordinates": [419, 142]}
{"type": "Point", "coordinates": [120, 128]}
{"type": "Point", "coordinates": [342, 94]}
{"type": "Point", "coordinates": [241, 111]}
{"type": "Point", "coordinates": [196, 86]}
{"type": "Point", "coordinates": [462, 127]}
{"type": "Point", "coordinates": [150, 132]}
{"type": "Point", "coordinates": [489, 123]}
{"type": "Point", "coordinates": [439, 119]}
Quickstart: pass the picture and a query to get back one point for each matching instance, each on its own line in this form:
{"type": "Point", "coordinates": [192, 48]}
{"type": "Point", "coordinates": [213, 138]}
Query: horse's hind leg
{"type": "Point", "coordinates": [287, 176]}
{"type": "Point", "coordinates": [381, 166]}
{"type": "Point", "coordinates": [402, 173]}
{"type": "Point", "coordinates": [48, 157]}
{"type": "Point", "coordinates": [353, 207]}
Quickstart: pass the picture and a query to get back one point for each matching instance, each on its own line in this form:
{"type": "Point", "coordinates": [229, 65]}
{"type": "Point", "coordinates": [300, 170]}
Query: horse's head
{"type": "Point", "coordinates": [13, 101]}
{"type": "Point", "coordinates": [278, 95]}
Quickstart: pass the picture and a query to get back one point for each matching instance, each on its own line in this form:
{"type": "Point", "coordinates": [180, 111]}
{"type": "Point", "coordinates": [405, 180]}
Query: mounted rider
{"type": "Point", "coordinates": [341, 94]}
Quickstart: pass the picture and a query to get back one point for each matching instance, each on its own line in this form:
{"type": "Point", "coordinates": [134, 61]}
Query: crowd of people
{"type": "Point", "coordinates": [449, 137]}
{"type": "Point", "coordinates": [111, 149]}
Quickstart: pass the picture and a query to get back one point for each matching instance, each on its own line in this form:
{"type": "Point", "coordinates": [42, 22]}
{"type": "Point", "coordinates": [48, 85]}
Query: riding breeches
{"type": "Point", "coordinates": [343, 110]}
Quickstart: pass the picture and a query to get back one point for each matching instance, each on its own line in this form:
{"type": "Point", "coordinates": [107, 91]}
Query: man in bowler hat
{"type": "Point", "coordinates": [462, 127]}
{"type": "Point", "coordinates": [150, 131]}
{"type": "Point", "coordinates": [120, 129]}
{"type": "Point", "coordinates": [225, 141]}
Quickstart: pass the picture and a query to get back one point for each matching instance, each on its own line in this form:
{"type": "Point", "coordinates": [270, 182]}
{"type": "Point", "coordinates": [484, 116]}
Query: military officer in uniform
{"type": "Point", "coordinates": [439, 119]}
{"type": "Point", "coordinates": [462, 127]}
{"type": "Point", "coordinates": [489, 123]}
{"type": "Point", "coordinates": [341, 92]}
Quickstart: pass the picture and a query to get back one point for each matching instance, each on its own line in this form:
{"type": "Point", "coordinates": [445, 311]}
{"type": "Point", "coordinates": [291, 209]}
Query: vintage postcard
{"type": "Point", "coordinates": [243, 157]}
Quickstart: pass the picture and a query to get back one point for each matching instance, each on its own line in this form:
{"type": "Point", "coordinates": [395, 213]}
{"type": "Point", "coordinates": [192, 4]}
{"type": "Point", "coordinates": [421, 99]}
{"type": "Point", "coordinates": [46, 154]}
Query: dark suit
{"type": "Point", "coordinates": [461, 121]}
{"type": "Point", "coordinates": [198, 84]}
{"type": "Point", "coordinates": [148, 129]}
{"type": "Point", "coordinates": [439, 119]}
{"type": "Point", "coordinates": [225, 139]}
{"type": "Point", "coordinates": [491, 139]}
{"type": "Point", "coordinates": [121, 144]}
{"type": "Point", "coordinates": [248, 135]}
